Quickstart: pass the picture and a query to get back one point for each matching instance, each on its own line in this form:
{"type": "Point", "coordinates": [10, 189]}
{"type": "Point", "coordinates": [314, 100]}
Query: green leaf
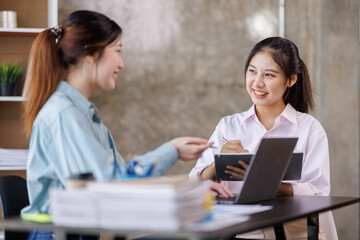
{"type": "Point", "coordinates": [10, 72]}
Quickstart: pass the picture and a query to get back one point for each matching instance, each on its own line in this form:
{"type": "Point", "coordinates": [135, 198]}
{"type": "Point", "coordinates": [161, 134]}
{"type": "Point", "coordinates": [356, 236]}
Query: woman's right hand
{"type": "Point", "coordinates": [233, 146]}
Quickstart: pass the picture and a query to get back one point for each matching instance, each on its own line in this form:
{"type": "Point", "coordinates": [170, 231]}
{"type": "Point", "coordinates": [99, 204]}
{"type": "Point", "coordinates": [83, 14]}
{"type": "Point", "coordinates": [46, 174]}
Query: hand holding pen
{"type": "Point", "coordinates": [190, 148]}
{"type": "Point", "coordinates": [232, 146]}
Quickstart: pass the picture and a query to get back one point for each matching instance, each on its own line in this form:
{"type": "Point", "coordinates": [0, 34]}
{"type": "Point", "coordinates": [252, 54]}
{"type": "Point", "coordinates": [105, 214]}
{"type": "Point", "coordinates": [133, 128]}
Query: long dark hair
{"type": "Point", "coordinates": [55, 49]}
{"type": "Point", "coordinates": [286, 55]}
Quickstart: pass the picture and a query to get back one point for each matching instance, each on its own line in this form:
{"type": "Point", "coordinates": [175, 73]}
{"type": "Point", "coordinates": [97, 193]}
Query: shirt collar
{"type": "Point", "coordinates": [290, 114]}
{"type": "Point", "coordinates": [79, 100]}
{"type": "Point", "coordinates": [250, 113]}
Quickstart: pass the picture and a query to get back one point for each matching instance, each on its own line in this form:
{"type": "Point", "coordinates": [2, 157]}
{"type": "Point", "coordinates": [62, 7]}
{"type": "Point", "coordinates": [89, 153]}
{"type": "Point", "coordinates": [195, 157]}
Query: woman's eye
{"type": "Point", "coordinates": [269, 75]}
{"type": "Point", "coordinates": [252, 70]}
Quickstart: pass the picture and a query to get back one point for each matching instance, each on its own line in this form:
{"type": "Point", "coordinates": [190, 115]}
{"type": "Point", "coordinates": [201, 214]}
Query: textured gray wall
{"type": "Point", "coordinates": [327, 34]}
{"type": "Point", "coordinates": [184, 71]}
{"type": "Point", "coordinates": [339, 101]}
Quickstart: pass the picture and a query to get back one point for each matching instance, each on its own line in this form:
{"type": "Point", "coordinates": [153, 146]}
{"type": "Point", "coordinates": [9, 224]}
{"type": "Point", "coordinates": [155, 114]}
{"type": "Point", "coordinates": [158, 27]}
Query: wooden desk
{"type": "Point", "coordinates": [285, 209]}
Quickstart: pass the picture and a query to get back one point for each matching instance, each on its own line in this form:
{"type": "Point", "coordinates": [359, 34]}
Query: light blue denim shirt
{"type": "Point", "coordinates": [68, 138]}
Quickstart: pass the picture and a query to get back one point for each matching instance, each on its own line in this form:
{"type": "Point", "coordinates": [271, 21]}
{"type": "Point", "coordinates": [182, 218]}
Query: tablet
{"type": "Point", "coordinates": [293, 171]}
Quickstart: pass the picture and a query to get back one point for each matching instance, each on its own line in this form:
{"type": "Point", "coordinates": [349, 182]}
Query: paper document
{"type": "Point", "coordinates": [217, 223]}
{"type": "Point", "coordinates": [155, 204]}
{"type": "Point", "coordinates": [238, 209]}
{"type": "Point", "coordinates": [13, 157]}
{"type": "Point", "coordinates": [227, 215]}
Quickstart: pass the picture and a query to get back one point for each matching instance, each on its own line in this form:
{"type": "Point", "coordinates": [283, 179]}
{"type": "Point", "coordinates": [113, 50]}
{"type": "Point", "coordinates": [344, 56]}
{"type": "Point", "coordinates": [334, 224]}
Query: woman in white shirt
{"type": "Point", "coordinates": [278, 83]}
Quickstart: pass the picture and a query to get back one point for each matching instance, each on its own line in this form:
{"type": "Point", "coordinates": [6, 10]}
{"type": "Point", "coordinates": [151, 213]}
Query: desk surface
{"type": "Point", "coordinates": [285, 209]}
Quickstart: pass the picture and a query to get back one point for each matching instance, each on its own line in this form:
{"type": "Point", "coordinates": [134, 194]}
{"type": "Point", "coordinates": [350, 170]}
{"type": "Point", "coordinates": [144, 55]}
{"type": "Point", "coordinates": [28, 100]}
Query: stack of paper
{"type": "Point", "coordinates": [13, 157]}
{"type": "Point", "coordinates": [164, 204]}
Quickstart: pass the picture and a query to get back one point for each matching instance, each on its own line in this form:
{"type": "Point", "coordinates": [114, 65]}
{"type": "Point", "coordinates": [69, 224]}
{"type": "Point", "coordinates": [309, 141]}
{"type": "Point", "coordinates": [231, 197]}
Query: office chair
{"type": "Point", "coordinates": [14, 196]}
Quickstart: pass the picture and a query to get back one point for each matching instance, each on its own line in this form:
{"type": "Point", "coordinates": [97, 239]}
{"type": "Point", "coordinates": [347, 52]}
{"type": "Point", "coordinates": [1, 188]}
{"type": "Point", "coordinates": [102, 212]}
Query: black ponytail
{"type": "Point", "coordinates": [300, 94]}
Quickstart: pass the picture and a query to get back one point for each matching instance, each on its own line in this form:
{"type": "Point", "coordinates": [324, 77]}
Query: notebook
{"type": "Point", "coordinates": [293, 172]}
{"type": "Point", "coordinates": [265, 172]}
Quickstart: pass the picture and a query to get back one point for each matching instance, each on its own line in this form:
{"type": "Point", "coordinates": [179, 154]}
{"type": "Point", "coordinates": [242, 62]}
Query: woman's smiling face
{"type": "Point", "coordinates": [109, 65]}
{"type": "Point", "coordinates": [265, 81]}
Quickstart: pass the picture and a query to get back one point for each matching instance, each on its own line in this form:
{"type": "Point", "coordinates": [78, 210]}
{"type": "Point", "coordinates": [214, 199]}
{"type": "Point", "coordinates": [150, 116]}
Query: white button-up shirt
{"type": "Point", "coordinates": [312, 142]}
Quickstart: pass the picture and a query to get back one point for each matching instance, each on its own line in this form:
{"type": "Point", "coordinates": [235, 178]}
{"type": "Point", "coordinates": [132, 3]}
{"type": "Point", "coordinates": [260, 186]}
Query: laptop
{"type": "Point", "coordinates": [265, 172]}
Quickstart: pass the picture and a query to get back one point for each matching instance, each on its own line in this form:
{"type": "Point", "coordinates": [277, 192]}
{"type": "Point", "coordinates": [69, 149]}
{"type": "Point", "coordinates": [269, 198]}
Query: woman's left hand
{"type": "Point", "coordinates": [236, 172]}
{"type": "Point", "coordinates": [285, 189]}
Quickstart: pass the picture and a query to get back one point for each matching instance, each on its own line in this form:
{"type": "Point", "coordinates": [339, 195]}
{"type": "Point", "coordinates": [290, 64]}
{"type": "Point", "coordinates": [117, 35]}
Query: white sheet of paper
{"type": "Point", "coordinates": [239, 209]}
{"type": "Point", "coordinates": [226, 215]}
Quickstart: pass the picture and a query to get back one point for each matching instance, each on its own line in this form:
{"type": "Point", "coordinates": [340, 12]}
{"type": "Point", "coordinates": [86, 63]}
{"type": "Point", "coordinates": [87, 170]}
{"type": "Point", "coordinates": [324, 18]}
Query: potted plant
{"type": "Point", "coordinates": [9, 73]}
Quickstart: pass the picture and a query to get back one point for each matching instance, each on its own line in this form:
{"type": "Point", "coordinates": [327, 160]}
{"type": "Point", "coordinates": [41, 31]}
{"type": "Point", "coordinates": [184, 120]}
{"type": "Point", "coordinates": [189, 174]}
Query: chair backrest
{"type": "Point", "coordinates": [14, 197]}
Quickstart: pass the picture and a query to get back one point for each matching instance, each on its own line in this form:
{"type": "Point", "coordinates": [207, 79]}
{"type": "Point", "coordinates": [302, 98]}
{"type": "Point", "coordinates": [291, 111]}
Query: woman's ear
{"type": "Point", "coordinates": [90, 58]}
{"type": "Point", "coordinates": [293, 79]}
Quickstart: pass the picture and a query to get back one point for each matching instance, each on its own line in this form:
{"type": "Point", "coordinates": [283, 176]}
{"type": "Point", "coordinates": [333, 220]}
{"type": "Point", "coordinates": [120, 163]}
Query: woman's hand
{"type": "Point", "coordinates": [237, 173]}
{"type": "Point", "coordinates": [190, 148]}
{"type": "Point", "coordinates": [233, 146]}
{"type": "Point", "coordinates": [285, 189]}
{"type": "Point", "coordinates": [218, 189]}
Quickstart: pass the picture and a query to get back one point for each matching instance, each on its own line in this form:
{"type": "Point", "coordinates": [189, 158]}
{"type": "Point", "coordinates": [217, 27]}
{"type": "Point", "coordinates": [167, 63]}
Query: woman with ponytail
{"type": "Point", "coordinates": [278, 83]}
{"type": "Point", "coordinates": [67, 63]}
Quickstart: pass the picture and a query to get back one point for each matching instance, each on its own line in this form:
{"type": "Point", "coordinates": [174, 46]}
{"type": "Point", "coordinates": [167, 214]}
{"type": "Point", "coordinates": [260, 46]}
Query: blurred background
{"type": "Point", "coordinates": [184, 64]}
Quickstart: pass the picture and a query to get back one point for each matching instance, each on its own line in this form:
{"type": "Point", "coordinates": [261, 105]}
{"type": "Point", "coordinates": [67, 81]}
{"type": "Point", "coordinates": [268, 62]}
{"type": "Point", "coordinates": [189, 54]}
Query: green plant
{"type": "Point", "coordinates": [10, 72]}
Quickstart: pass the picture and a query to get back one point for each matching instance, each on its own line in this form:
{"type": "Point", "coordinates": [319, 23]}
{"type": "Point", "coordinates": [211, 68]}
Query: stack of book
{"type": "Point", "coordinates": [143, 204]}
{"type": "Point", "coordinates": [13, 157]}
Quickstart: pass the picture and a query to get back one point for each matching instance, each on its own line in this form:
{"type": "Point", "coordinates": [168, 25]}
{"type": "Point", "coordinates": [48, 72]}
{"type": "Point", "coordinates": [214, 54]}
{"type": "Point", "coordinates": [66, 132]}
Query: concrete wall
{"type": "Point", "coordinates": [327, 34]}
{"type": "Point", "coordinates": [184, 71]}
{"type": "Point", "coordinates": [339, 99]}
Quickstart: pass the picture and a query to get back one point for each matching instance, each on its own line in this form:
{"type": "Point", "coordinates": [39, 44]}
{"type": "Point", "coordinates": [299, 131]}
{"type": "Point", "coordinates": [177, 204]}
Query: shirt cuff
{"type": "Point", "coordinates": [304, 189]}
{"type": "Point", "coordinates": [201, 172]}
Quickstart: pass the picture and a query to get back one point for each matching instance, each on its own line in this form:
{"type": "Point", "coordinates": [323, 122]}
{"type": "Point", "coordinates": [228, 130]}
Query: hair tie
{"type": "Point", "coordinates": [57, 31]}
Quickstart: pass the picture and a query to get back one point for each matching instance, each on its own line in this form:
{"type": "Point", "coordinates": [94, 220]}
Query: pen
{"type": "Point", "coordinates": [224, 140]}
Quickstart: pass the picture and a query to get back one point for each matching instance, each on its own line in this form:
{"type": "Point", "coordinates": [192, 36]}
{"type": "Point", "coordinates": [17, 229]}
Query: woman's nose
{"type": "Point", "coordinates": [259, 81]}
{"type": "Point", "coordinates": [121, 63]}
